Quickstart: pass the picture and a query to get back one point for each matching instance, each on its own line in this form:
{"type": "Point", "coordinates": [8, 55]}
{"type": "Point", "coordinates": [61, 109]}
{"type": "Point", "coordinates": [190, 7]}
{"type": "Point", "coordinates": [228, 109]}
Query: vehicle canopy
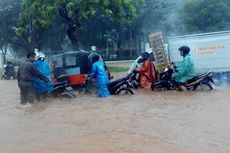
{"type": "Point", "coordinates": [76, 64]}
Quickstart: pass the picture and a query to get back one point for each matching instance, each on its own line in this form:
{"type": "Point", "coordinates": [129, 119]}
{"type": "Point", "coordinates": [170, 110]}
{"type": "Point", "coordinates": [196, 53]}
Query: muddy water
{"type": "Point", "coordinates": [161, 122]}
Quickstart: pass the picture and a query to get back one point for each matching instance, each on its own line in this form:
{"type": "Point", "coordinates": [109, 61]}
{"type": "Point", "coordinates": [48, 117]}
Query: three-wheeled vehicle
{"type": "Point", "coordinates": [76, 64]}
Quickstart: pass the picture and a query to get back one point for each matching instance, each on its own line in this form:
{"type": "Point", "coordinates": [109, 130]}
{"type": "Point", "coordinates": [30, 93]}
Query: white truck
{"type": "Point", "coordinates": [210, 51]}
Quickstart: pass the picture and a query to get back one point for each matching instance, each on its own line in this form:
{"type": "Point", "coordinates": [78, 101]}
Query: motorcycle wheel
{"type": "Point", "coordinates": [90, 91]}
{"type": "Point", "coordinates": [69, 94]}
{"type": "Point", "coordinates": [125, 91]}
{"type": "Point", "coordinates": [160, 88]}
{"type": "Point", "coordinates": [3, 77]}
{"type": "Point", "coordinates": [203, 87]}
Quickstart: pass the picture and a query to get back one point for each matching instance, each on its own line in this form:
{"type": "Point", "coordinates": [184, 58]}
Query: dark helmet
{"type": "Point", "coordinates": [145, 55]}
{"type": "Point", "coordinates": [184, 49]}
{"type": "Point", "coordinates": [95, 58]}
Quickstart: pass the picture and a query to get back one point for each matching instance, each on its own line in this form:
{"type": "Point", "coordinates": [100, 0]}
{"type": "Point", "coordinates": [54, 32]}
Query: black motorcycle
{"type": "Point", "coordinates": [4, 76]}
{"type": "Point", "coordinates": [119, 86]}
{"type": "Point", "coordinates": [199, 82]}
{"type": "Point", "coordinates": [62, 88]}
{"type": "Point", "coordinates": [133, 80]}
{"type": "Point", "coordinates": [9, 72]}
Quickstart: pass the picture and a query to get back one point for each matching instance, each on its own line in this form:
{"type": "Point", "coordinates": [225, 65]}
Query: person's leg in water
{"type": "Point", "coordinates": [14, 75]}
{"type": "Point", "coordinates": [182, 87]}
{"type": "Point", "coordinates": [23, 96]}
{"type": "Point", "coordinates": [103, 91]}
{"type": "Point", "coordinates": [8, 76]}
{"type": "Point", "coordinates": [41, 96]}
{"type": "Point", "coordinates": [31, 95]}
{"type": "Point", "coordinates": [38, 97]}
{"type": "Point", "coordinates": [44, 95]}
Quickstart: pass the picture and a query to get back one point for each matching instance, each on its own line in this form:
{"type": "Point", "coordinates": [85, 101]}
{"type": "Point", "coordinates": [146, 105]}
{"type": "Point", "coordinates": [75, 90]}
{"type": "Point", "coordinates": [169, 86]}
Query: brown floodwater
{"type": "Point", "coordinates": [147, 122]}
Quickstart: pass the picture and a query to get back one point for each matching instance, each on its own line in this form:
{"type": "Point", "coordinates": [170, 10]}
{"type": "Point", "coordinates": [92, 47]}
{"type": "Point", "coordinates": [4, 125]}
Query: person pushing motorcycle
{"type": "Point", "coordinates": [25, 76]}
{"type": "Point", "coordinates": [41, 87]}
{"type": "Point", "coordinates": [186, 70]}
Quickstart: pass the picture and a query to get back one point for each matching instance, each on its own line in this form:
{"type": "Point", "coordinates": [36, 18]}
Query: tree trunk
{"type": "Point", "coordinates": [73, 38]}
{"type": "Point", "coordinates": [130, 43]}
{"type": "Point", "coordinates": [72, 26]}
{"type": "Point", "coordinates": [4, 52]}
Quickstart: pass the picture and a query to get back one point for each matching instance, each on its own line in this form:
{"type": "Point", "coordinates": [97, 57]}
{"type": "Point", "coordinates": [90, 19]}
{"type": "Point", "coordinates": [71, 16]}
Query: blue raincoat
{"type": "Point", "coordinates": [186, 70]}
{"type": "Point", "coordinates": [39, 85]}
{"type": "Point", "coordinates": [98, 72]}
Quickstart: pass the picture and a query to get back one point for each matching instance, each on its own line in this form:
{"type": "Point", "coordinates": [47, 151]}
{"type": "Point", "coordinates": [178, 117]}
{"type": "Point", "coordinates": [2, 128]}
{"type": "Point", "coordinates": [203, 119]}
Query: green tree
{"type": "Point", "coordinates": [152, 16]}
{"type": "Point", "coordinates": [40, 15]}
{"type": "Point", "coordinates": [51, 38]}
{"type": "Point", "coordinates": [9, 10]}
{"type": "Point", "coordinates": [206, 15]}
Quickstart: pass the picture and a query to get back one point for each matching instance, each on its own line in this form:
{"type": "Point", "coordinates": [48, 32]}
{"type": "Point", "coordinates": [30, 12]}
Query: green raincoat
{"type": "Point", "coordinates": [186, 70]}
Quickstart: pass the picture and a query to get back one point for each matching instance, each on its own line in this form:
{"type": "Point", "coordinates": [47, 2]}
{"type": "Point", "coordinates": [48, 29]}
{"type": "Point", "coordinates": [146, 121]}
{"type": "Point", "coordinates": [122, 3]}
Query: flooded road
{"type": "Point", "coordinates": [160, 122]}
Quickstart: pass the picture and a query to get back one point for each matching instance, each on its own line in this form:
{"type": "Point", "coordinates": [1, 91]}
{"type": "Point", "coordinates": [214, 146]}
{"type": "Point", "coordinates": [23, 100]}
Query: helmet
{"type": "Point", "coordinates": [184, 49]}
{"type": "Point", "coordinates": [145, 55]}
{"type": "Point", "coordinates": [40, 56]}
{"type": "Point", "coordinates": [95, 58]}
{"type": "Point", "coordinates": [149, 51]}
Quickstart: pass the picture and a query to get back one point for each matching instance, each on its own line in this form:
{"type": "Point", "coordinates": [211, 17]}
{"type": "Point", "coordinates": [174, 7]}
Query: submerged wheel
{"type": "Point", "coordinates": [88, 90]}
{"type": "Point", "coordinates": [92, 91]}
{"type": "Point", "coordinates": [69, 94]}
{"type": "Point", "coordinates": [3, 77]}
{"type": "Point", "coordinates": [125, 91]}
{"type": "Point", "coordinates": [203, 87]}
{"type": "Point", "coordinates": [160, 88]}
{"type": "Point", "coordinates": [73, 95]}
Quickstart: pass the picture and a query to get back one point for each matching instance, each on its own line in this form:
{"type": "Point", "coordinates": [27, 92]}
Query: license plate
{"type": "Point", "coordinates": [68, 88]}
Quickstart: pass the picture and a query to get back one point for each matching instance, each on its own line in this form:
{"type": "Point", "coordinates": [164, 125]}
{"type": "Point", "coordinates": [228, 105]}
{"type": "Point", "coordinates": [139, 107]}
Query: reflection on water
{"type": "Point", "coordinates": [147, 122]}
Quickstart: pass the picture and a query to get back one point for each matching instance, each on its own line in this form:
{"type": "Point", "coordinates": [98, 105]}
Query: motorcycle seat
{"type": "Point", "coordinates": [197, 77]}
{"type": "Point", "coordinates": [113, 83]}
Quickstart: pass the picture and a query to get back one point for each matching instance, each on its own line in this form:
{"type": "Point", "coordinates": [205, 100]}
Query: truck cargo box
{"type": "Point", "coordinates": [210, 51]}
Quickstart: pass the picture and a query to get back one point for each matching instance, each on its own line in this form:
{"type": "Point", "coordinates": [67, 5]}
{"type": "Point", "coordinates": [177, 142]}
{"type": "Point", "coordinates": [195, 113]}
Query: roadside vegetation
{"type": "Point", "coordinates": [118, 69]}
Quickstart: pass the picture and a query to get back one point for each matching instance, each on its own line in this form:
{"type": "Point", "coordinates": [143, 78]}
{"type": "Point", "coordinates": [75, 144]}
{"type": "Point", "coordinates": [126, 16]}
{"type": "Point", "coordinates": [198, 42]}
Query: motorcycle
{"type": "Point", "coordinates": [120, 86]}
{"type": "Point", "coordinates": [62, 87]}
{"type": "Point", "coordinates": [133, 80]}
{"type": "Point", "coordinates": [4, 76]}
{"type": "Point", "coordinates": [8, 73]}
{"type": "Point", "coordinates": [199, 82]}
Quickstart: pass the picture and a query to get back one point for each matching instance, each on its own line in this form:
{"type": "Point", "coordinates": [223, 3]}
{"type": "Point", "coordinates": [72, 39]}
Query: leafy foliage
{"type": "Point", "coordinates": [9, 10]}
{"type": "Point", "coordinates": [44, 24]}
{"type": "Point", "coordinates": [123, 24]}
{"type": "Point", "coordinates": [206, 15]}
{"type": "Point", "coordinates": [40, 14]}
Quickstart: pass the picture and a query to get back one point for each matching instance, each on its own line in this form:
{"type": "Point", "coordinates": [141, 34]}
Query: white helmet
{"type": "Point", "coordinates": [40, 56]}
{"type": "Point", "coordinates": [149, 50]}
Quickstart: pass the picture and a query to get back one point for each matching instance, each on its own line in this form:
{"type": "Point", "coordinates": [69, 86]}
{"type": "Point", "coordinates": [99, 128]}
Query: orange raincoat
{"type": "Point", "coordinates": [147, 74]}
